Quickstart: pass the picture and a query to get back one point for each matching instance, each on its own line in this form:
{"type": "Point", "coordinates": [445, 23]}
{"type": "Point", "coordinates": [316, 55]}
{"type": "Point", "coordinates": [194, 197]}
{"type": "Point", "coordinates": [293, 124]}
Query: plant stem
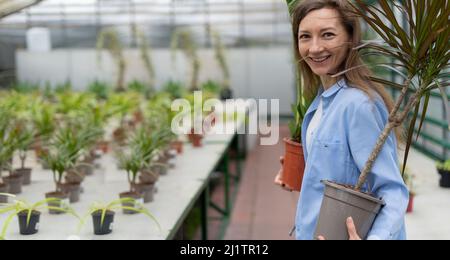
{"type": "Point", "coordinates": [23, 157]}
{"type": "Point", "coordinates": [395, 119]}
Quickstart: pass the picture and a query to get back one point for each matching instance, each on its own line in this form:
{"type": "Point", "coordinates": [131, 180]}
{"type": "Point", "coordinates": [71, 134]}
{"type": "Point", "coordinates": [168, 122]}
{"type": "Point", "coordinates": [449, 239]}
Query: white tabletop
{"type": "Point", "coordinates": [177, 193]}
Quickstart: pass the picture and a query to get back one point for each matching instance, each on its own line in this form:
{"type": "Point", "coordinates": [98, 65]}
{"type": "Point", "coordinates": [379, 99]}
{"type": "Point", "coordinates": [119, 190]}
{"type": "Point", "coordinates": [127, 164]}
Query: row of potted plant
{"type": "Point", "coordinates": [29, 215]}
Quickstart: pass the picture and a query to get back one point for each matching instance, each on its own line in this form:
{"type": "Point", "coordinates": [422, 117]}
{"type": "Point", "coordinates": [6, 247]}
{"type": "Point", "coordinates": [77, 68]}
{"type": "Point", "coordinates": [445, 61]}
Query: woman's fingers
{"type": "Point", "coordinates": [352, 233]}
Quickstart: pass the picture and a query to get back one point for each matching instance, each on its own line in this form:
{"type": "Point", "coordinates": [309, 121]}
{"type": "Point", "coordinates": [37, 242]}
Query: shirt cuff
{"type": "Point", "coordinates": [374, 237]}
{"type": "Point", "coordinates": [379, 235]}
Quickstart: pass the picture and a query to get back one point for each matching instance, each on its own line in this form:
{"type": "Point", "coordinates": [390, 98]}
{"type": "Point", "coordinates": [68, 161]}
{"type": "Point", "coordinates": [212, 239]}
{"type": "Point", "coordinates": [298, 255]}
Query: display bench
{"type": "Point", "coordinates": [177, 194]}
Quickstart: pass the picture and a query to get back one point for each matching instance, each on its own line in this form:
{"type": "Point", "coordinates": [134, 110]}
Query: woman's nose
{"type": "Point", "coordinates": [316, 47]}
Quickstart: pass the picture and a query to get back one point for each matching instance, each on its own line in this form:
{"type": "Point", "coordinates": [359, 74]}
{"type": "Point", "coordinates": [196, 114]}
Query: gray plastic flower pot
{"type": "Point", "coordinates": [26, 173]}
{"type": "Point", "coordinates": [4, 188]}
{"type": "Point", "coordinates": [339, 203]}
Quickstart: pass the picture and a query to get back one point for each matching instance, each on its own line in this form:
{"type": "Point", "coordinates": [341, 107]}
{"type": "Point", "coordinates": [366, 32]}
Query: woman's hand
{"type": "Point", "coordinates": [352, 233]}
{"type": "Point", "coordinates": [278, 180]}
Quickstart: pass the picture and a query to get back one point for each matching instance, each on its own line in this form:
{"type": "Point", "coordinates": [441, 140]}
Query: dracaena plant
{"type": "Point", "coordinates": [43, 118]}
{"type": "Point", "coordinates": [421, 57]}
{"type": "Point", "coordinates": [219, 50]}
{"type": "Point", "coordinates": [132, 162]}
{"type": "Point", "coordinates": [24, 139]}
{"type": "Point", "coordinates": [186, 42]}
{"type": "Point", "coordinates": [59, 161]}
{"type": "Point", "coordinates": [110, 40]}
{"type": "Point", "coordinates": [21, 206]}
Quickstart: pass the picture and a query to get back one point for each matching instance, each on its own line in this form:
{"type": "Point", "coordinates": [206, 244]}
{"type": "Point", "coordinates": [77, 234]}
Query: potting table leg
{"type": "Point", "coordinates": [226, 172]}
{"type": "Point", "coordinates": [240, 157]}
{"type": "Point", "coordinates": [204, 212]}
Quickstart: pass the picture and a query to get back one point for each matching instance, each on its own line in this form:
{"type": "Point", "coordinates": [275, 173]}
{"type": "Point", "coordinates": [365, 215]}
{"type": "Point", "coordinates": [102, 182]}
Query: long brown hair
{"type": "Point", "coordinates": [359, 77]}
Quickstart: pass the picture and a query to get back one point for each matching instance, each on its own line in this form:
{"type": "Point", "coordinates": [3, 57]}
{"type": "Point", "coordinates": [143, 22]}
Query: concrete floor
{"type": "Point", "coordinates": [430, 219]}
{"type": "Point", "coordinates": [265, 212]}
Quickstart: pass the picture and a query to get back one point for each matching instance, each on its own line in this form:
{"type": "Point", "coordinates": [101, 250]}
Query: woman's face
{"type": "Point", "coordinates": [323, 41]}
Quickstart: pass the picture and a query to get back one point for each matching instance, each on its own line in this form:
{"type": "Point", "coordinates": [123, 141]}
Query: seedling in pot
{"type": "Point", "coordinates": [103, 215]}
{"type": "Point", "coordinates": [132, 163]}
{"type": "Point", "coordinates": [29, 214]}
{"type": "Point", "coordinates": [25, 139]}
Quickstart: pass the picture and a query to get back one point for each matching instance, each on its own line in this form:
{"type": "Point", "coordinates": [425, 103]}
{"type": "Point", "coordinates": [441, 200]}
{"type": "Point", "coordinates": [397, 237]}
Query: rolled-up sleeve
{"type": "Point", "coordinates": [367, 121]}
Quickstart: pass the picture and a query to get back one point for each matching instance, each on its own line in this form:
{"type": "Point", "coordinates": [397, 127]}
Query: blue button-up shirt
{"type": "Point", "coordinates": [350, 127]}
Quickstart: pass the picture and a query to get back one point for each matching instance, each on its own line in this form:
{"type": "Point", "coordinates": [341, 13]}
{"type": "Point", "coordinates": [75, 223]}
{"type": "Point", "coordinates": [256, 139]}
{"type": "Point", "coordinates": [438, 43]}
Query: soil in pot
{"type": "Point", "coordinates": [57, 195]}
{"type": "Point", "coordinates": [4, 188]}
{"type": "Point", "coordinates": [130, 195]}
{"type": "Point", "coordinates": [339, 203]}
{"type": "Point", "coordinates": [293, 165]}
{"type": "Point", "coordinates": [15, 183]}
{"type": "Point", "coordinates": [31, 227]}
{"type": "Point", "coordinates": [445, 179]}
{"type": "Point", "coordinates": [106, 227]}
{"type": "Point", "coordinates": [26, 173]}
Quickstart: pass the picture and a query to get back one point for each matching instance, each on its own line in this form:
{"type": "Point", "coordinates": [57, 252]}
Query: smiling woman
{"type": "Point", "coordinates": [342, 125]}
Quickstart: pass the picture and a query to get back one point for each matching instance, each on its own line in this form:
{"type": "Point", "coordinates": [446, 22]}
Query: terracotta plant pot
{"type": "Point", "coordinates": [445, 178]}
{"type": "Point", "coordinates": [15, 183]}
{"type": "Point", "coordinates": [56, 195]}
{"type": "Point", "coordinates": [29, 228]}
{"type": "Point", "coordinates": [4, 188]}
{"type": "Point", "coordinates": [293, 165]}
{"type": "Point", "coordinates": [130, 195]}
{"type": "Point", "coordinates": [120, 135]}
{"type": "Point", "coordinates": [410, 203]}
{"type": "Point", "coordinates": [178, 146]}
{"type": "Point", "coordinates": [196, 140]}
{"type": "Point", "coordinates": [26, 173]}
{"type": "Point", "coordinates": [103, 146]}
{"type": "Point", "coordinates": [339, 203]}
{"type": "Point", "coordinates": [138, 117]}
{"type": "Point", "coordinates": [106, 227]}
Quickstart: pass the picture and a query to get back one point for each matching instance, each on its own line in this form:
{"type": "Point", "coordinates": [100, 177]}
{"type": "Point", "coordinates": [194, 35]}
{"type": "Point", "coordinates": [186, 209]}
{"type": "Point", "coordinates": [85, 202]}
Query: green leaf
{"type": "Point", "coordinates": [424, 112]}
{"type": "Point", "coordinates": [410, 135]}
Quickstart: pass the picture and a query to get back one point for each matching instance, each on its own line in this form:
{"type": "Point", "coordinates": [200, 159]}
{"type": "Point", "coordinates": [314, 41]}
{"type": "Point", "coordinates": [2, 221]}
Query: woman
{"type": "Point", "coordinates": [344, 121]}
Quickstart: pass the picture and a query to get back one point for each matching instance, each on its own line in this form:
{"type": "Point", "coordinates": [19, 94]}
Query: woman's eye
{"type": "Point", "coordinates": [328, 35]}
{"type": "Point", "coordinates": [304, 36]}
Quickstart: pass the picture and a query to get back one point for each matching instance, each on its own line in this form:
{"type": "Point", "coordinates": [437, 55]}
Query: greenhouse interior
{"type": "Point", "coordinates": [224, 120]}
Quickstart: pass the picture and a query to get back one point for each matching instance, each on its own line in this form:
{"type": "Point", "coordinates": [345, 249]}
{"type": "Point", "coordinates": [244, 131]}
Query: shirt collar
{"type": "Point", "coordinates": [333, 89]}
